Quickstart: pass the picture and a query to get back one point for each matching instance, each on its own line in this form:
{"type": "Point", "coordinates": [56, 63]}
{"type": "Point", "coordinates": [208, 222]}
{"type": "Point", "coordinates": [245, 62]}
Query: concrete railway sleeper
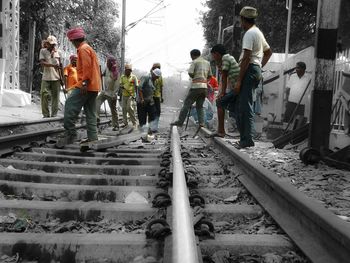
{"type": "Point", "coordinates": [120, 202]}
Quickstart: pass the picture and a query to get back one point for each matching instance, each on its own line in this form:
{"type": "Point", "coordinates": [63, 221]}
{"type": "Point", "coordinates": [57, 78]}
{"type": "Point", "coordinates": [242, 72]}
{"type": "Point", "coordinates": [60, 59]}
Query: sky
{"type": "Point", "coordinates": [167, 36]}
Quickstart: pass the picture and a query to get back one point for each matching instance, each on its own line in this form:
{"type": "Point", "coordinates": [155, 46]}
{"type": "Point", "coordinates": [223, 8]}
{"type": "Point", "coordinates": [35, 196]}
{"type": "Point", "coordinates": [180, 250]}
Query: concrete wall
{"type": "Point", "coordinates": [273, 91]}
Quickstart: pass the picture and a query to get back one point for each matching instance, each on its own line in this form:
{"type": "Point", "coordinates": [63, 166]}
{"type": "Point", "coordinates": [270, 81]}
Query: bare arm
{"type": "Point", "coordinates": [224, 75]}
{"type": "Point", "coordinates": [47, 64]}
{"type": "Point", "coordinates": [266, 57]}
{"type": "Point", "coordinates": [243, 69]}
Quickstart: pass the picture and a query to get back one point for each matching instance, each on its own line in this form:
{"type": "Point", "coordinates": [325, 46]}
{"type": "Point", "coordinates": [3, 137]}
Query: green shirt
{"type": "Point", "coordinates": [129, 85]}
{"type": "Point", "coordinates": [201, 71]}
{"type": "Point", "coordinates": [159, 86]}
{"type": "Point", "coordinates": [230, 65]}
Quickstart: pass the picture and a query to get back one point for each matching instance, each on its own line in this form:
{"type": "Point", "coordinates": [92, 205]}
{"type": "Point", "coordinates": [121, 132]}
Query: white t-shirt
{"type": "Point", "coordinates": [255, 41]}
{"type": "Point", "coordinates": [297, 86]}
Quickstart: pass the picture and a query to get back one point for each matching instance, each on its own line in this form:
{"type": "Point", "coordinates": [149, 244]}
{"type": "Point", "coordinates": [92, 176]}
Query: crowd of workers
{"type": "Point", "coordinates": [83, 79]}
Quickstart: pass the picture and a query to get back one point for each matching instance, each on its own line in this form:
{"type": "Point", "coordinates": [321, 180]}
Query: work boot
{"type": "Point", "coordinates": [86, 145]}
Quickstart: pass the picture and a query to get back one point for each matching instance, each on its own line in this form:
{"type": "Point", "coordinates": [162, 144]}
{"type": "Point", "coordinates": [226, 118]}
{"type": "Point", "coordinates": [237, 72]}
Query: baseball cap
{"type": "Point", "coordinates": [52, 40]}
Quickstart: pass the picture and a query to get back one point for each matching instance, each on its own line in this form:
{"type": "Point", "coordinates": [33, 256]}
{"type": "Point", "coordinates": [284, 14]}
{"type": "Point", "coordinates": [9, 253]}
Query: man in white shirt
{"type": "Point", "coordinates": [255, 54]}
{"type": "Point", "coordinates": [296, 86]}
{"type": "Point", "coordinates": [50, 84]}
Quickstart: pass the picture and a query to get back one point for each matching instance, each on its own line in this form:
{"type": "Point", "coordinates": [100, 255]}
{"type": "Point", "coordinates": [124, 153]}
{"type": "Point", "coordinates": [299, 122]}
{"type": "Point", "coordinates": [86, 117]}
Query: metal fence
{"type": "Point", "coordinates": [339, 111]}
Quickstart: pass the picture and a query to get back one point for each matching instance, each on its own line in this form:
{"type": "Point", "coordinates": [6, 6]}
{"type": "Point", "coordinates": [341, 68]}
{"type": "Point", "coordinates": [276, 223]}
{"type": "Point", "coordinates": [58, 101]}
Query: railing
{"type": "Point", "coordinates": [339, 114]}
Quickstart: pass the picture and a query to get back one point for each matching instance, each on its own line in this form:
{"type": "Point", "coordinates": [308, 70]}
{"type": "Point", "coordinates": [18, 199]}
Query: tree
{"type": "Point", "coordinates": [272, 20]}
{"type": "Point", "coordinates": [97, 17]}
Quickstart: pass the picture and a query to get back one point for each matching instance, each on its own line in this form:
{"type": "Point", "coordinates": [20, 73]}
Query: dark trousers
{"type": "Point", "coordinates": [290, 107]}
{"type": "Point", "coordinates": [245, 112]}
{"type": "Point", "coordinates": [146, 110]}
{"type": "Point", "coordinates": [72, 108]}
{"type": "Point", "coordinates": [157, 106]}
{"type": "Point", "coordinates": [157, 113]}
{"type": "Point", "coordinates": [194, 95]}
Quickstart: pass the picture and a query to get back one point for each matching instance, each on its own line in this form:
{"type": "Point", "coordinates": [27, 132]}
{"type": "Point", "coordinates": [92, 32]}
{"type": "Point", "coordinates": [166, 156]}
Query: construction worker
{"type": "Point", "coordinates": [146, 98]}
{"type": "Point", "coordinates": [85, 92]}
{"type": "Point", "coordinates": [200, 72]}
{"type": "Point", "coordinates": [110, 90]}
{"type": "Point", "coordinates": [128, 84]}
{"type": "Point", "coordinates": [50, 83]}
{"type": "Point", "coordinates": [157, 97]}
{"type": "Point", "coordinates": [70, 74]}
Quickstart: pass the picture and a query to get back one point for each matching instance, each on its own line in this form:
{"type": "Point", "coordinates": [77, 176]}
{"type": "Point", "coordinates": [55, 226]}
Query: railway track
{"type": "Point", "coordinates": [128, 200]}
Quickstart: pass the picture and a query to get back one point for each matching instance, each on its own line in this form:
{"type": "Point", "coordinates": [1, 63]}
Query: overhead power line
{"type": "Point", "coordinates": [149, 13]}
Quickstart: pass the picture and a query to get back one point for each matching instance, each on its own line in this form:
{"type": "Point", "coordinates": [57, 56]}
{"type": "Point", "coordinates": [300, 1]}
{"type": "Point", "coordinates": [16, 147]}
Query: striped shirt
{"type": "Point", "coordinates": [201, 71]}
{"type": "Point", "coordinates": [230, 65]}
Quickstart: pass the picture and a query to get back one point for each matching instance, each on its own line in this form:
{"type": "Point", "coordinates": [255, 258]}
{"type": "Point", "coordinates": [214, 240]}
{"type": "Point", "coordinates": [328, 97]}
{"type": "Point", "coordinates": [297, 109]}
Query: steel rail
{"type": "Point", "coordinates": [183, 239]}
{"type": "Point", "coordinates": [321, 235]}
{"type": "Point", "coordinates": [18, 123]}
{"type": "Point", "coordinates": [7, 143]}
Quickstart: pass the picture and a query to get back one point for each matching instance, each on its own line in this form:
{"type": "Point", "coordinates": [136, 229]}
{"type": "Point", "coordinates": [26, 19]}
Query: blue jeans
{"type": "Point", "coordinates": [72, 108]}
{"type": "Point", "coordinates": [245, 111]}
{"type": "Point", "coordinates": [208, 115]}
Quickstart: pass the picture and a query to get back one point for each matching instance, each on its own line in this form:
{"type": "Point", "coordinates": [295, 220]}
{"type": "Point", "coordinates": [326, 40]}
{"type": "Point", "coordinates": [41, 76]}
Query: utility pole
{"type": "Point", "coordinates": [219, 42]}
{"type": "Point", "coordinates": [283, 78]}
{"type": "Point", "coordinates": [237, 30]}
{"type": "Point", "coordinates": [328, 12]}
{"type": "Point", "coordinates": [31, 45]}
{"type": "Point", "coordinates": [219, 34]}
{"type": "Point", "coordinates": [122, 59]}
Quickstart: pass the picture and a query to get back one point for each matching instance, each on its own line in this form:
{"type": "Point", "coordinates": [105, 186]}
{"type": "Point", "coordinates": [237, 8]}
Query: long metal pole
{"type": "Point", "coordinates": [219, 42]}
{"type": "Point", "coordinates": [32, 33]}
{"type": "Point", "coordinates": [219, 34]}
{"type": "Point", "coordinates": [281, 95]}
{"type": "Point", "coordinates": [183, 238]}
{"type": "Point", "coordinates": [290, 6]}
{"type": "Point", "coordinates": [122, 59]}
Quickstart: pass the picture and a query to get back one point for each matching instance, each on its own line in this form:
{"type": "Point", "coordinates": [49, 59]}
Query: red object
{"type": "Point", "coordinates": [212, 86]}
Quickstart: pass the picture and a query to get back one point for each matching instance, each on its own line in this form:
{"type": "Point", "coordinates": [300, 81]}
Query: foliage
{"type": "Point", "coordinates": [272, 21]}
{"type": "Point", "coordinates": [55, 17]}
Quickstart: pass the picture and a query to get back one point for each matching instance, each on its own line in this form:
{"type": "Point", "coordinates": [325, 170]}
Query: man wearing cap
{"type": "Point", "coordinates": [109, 93]}
{"type": "Point", "coordinates": [85, 92]}
{"type": "Point", "coordinates": [158, 97]}
{"type": "Point", "coordinates": [146, 98]}
{"type": "Point", "coordinates": [50, 83]}
{"type": "Point", "coordinates": [255, 54]}
{"type": "Point", "coordinates": [200, 72]}
{"type": "Point", "coordinates": [70, 74]}
{"type": "Point", "coordinates": [296, 86]}
{"type": "Point", "coordinates": [128, 84]}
